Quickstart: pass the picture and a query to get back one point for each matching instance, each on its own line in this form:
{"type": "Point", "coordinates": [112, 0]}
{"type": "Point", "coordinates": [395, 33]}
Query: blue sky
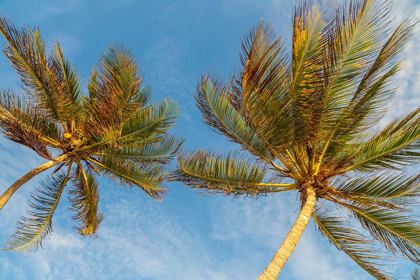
{"type": "Point", "coordinates": [187, 236]}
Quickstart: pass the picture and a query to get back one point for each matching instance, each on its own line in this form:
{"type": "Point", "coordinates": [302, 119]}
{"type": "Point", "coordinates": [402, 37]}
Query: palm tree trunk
{"type": "Point", "coordinates": [282, 255]}
{"type": "Point", "coordinates": [16, 185]}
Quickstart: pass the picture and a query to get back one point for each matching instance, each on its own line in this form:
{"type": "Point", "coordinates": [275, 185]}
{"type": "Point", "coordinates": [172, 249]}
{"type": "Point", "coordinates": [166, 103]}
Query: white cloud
{"type": "Point", "coordinates": [257, 228]}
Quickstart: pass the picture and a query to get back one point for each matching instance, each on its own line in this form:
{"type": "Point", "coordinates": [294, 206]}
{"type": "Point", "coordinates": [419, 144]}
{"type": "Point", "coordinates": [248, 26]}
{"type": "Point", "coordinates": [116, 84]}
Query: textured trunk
{"type": "Point", "coordinates": [9, 192]}
{"type": "Point", "coordinates": [282, 255]}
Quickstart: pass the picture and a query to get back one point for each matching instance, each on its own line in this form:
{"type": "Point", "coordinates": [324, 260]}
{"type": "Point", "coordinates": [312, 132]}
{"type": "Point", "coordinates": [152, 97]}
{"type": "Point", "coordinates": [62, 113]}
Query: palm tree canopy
{"type": "Point", "coordinates": [310, 118]}
{"type": "Point", "coordinates": [113, 131]}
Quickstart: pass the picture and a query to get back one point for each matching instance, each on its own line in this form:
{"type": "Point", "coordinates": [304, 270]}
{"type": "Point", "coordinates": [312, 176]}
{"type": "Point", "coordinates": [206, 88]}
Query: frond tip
{"type": "Point", "coordinates": [31, 232]}
{"type": "Point", "coordinates": [357, 247]}
{"type": "Point", "coordinates": [396, 231]}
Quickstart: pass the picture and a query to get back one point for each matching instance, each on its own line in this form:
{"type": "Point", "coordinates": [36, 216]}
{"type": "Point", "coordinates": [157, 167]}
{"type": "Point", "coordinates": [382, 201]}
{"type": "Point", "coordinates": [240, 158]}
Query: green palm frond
{"type": "Point", "coordinates": [231, 174]}
{"type": "Point", "coordinates": [307, 78]}
{"type": "Point", "coordinates": [369, 100]}
{"type": "Point", "coordinates": [26, 52]}
{"type": "Point", "coordinates": [27, 126]}
{"type": "Point", "coordinates": [218, 112]}
{"type": "Point", "coordinates": [67, 79]}
{"type": "Point", "coordinates": [398, 189]}
{"type": "Point", "coordinates": [143, 97]}
{"type": "Point", "coordinates": [260, 92]}
{"type": "Point", "coordinates": [361, 250]}
{"type": "Point", "coordinates": [154, 120]}
{"type": "Point", "coordinates": [127, 173]}
{"type": "Point", "coordinates": [354, 39]}
{"type": "Point", "coordinates": [84, 200]}
{"type": "Point", "coordinates": [395, 230]}
{"type": "Point", "coordinates": [398, 144]}
{"type": "Point", "coordinates": [31, 232]}
{"type": "Point", "coordinates": [162, 151]}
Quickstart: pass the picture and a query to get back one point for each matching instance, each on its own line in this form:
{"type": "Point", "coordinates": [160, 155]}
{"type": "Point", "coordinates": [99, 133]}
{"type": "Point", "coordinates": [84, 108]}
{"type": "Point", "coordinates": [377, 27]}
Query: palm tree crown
{"type": "Point", "coordinates": [113, 131]}
{"type": "Point", "coordinates": [309, 122]}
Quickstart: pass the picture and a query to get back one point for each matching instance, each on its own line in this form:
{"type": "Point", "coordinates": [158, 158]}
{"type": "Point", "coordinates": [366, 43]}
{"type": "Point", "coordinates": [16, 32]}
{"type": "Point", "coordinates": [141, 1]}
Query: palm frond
{"type": "Point", "coordinates": [115, 93]}
{"type": "Point", "coordinates": [152, 121]}
{"type": "Point", "coordinates": [361, 250]}
{"type": "Point", "coordinates": [260, 92]}
{"type": "Point", "coordinates": [354, 40]}
{"type": "Point", "coordinates": [149, 122]}
{"type": "Point", "coordinates": [68, 81]}
{"type": "Point", "coordinates": [26, 52]}
{"type": "Point", "coordinates": [218, 112]}
{"type": "Point", "coordinates": [396, 231]}
{"type": "Point", "coordinates": [27, 126]}
{"type": "Point", "coordinates": [31, 232]}
{"type": "Point", "coordinates": [395, 188]}
{"type": "Point", "coordinates": [161, 152]}
{"type": "Point", "coordinates": [230, 173]}
{"type": "Point", "coordinates": [127, 173]}
{"type": "Point", "coordinates": [118, 84]}
{"type": "Point", "coordinates": [143, 97]}
{"type": "Point", "coordinates": [307, 76]}
{"type": "Point", "coordinates": [84, 200]}
{"type": "Point", "coordinates": [398, 144]}
{"type": "Point", "coordinates": [369, 101]}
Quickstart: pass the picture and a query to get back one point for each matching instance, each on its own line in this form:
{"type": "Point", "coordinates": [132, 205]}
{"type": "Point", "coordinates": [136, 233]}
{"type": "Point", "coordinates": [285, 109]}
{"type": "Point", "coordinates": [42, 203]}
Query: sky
{"type": "Point", "coordinates": [187, 236]}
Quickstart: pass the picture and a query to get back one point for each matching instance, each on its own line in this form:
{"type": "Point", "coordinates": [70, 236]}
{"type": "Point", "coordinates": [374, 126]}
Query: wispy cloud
{"type": "Point", "coordinates": [255, 229]}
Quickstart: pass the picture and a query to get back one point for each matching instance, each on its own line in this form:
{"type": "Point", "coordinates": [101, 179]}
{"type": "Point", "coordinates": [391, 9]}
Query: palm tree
{"type": "Point", "coordinates": [309, 122]}
{"type": "Point", "coordinates": [114, 132]}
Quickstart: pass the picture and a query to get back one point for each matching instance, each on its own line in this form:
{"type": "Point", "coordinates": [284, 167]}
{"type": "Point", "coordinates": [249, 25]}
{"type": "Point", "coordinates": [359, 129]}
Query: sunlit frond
{"type": "Point", "coordinates": [218, 112]}
{"type": "Point", "coordinates": [118, 85]}
{"type": "Point", "coordinates": [361, 250]}
{"type": "Point", "coordinates": [31, 232]}
{"type": "Point", "coordinates": [127, 173]}
{"type": "Point", "coordinates": [369, 102]}
{"type": "Point", "coordinates": [394, 188]}
{"type": "Point", "coordinates": [308, 97]}
{"type": "Point", "coordinates": [84, 200]}
{"type": "Point", "coordinates": [26, 52]}
{"type": "Point", "coordinates": [260, 92]}
{"type": "Point", "coordinates": [395, 230]}
{"type": "Point", "coordinates": [68, 82]}
{"type": "Point", "coordinates": [25, 125]}
{"type": "Point", "coordinates": [151, 121]}
{"type": "Point", "coordinates": [398, 144]}
{"type": "Point", "coordinates": [162, 151]}
{"type": "Point", "coordinates": [230, 173]}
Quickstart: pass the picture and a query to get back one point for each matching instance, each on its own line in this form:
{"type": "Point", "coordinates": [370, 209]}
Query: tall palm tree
{"type": "Point", "coordinates": [309, 121]}
{"type": "Point", "coordinates": [114, 131]}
